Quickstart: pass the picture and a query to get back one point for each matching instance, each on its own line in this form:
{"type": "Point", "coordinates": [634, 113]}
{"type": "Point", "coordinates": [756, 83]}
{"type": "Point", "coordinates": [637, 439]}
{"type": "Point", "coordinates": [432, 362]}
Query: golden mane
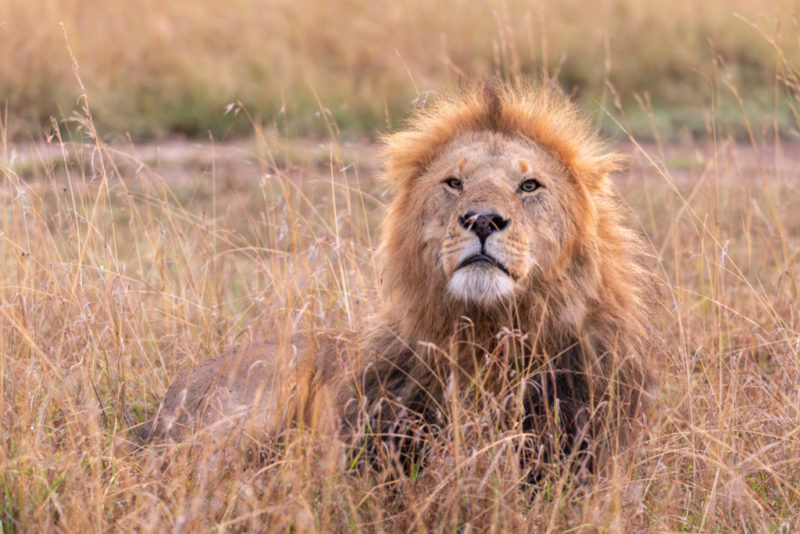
{"type": "Point", "coordinates": [540, 114]}
{"type": "Point", "coordinates": [588, 315]}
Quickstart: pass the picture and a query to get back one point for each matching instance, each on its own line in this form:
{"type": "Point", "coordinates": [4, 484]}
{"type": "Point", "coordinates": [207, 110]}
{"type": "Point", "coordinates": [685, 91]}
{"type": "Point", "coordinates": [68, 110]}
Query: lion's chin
{"type": "Point", "coordinates": [479, 284]}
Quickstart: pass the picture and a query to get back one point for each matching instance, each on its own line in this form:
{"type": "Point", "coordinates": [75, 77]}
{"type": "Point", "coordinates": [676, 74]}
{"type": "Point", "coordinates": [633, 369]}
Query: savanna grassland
{"type": "Point", "coordinates": [177, 178]}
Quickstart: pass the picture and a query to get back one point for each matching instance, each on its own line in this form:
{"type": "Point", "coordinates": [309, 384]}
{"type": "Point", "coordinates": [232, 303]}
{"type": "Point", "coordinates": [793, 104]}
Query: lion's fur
{"type": "Point", "coordinates": [585, 316]}
{"type": "Point", "coordinates": [577, 326]}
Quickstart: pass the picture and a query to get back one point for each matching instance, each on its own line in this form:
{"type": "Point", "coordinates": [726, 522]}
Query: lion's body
{"type": "Point", "coordinates": [261, 386]}
{"type": "Point", "coordinates": [503, 252]}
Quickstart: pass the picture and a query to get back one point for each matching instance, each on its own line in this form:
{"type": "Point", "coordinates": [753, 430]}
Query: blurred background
{"type": "Point", "coordinates": [156, 69]}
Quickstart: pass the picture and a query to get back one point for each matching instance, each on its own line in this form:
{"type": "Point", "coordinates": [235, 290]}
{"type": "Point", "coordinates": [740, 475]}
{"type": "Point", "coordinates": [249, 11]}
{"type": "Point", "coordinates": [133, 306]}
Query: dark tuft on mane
{"type": "Point", "coordinates": [492, 103]}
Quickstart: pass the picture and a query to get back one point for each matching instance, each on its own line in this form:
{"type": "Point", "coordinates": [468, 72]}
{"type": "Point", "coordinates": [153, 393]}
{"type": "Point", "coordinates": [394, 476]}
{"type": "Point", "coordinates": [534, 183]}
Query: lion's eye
{"type": "Point", "coordinates": [454, 183]}
{"type": "Point", "coordinates": [529, 186]}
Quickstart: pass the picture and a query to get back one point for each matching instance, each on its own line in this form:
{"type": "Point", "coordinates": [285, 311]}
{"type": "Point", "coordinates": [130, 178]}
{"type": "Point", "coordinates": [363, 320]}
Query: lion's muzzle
{"type": "Point", "coordinates": [481, 274]}
{"type": "Point", "coordinates": [483, 224]}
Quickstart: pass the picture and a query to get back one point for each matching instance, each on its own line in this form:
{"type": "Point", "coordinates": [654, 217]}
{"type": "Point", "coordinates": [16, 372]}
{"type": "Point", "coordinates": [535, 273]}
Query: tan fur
{"type": "Point", "coordinates": [568, 310]}
{"type": "Point", "coordinates": [260, 388]}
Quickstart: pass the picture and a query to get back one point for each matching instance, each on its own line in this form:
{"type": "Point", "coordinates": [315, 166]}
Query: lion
{"type": "Point", "coordinates": [506, 265]}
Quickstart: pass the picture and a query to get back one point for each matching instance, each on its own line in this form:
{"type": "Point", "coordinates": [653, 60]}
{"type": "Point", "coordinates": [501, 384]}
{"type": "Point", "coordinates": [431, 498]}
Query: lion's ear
{"type": "Point", "coordinates": [594, 170]}
{"type": "Point", "coordinates": [405, 156]}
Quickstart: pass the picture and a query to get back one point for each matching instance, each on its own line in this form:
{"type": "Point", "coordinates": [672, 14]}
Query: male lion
{"type": "Point", "coordinates": [506, 267]}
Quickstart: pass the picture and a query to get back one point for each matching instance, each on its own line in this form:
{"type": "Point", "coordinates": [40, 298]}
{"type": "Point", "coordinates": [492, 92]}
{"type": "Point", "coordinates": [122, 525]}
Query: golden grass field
{"type": "Point", "coordinates": [122, 262]}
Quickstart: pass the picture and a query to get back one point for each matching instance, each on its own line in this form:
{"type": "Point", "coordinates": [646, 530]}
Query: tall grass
{"type": "Point", "coordinates": [175, 66]}
{"type": "Point", "coordinates": [122, 265]}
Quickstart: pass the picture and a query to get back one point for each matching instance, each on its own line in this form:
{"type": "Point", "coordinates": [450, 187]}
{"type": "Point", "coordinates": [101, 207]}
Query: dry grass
{"type": "Point", "coordinates": [166, 67]}
{"type": "Point", "coordinates": [118, 272]}
{"type": "Point", "coordinates": [121, 265]}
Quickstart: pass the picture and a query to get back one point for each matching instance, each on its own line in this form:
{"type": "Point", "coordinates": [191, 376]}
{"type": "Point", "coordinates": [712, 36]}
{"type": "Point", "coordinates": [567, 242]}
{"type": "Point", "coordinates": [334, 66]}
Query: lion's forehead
{"type": "Point", "coordinates": [489, 150]}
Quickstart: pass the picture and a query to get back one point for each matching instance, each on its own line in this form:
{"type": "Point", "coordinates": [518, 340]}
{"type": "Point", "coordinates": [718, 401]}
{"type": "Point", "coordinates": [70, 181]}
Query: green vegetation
{"type": "Point", "coordinates": [175, 66]}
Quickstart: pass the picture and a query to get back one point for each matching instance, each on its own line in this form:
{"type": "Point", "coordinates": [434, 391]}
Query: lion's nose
{"type": "Point", "coordinates": [483, 224]}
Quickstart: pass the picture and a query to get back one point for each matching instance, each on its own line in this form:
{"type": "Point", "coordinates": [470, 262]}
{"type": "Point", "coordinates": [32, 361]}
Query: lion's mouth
{"type": "Point", "coordinates": [477, 258]}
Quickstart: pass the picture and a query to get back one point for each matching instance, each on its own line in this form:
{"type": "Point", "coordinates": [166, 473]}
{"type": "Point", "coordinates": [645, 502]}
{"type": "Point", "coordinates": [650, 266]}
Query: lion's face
{"type": "Point", "coordinates": [494, 215]}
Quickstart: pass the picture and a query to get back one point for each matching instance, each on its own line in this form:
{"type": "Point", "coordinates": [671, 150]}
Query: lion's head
{"type": "Point", "coordinates": [504, 216]}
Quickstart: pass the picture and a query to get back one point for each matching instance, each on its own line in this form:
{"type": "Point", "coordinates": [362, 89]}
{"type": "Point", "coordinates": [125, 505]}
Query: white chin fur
{"type": "Point", "coordinates": [474, 284]}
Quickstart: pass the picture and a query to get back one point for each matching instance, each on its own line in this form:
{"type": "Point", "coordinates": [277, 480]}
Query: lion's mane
{"type": "Point", "coordinates": [580, 328]}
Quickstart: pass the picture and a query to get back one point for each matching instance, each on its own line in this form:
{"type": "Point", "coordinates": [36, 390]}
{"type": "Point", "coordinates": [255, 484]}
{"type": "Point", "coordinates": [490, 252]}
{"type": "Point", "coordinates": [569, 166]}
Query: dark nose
{"type": "Point", "coordinates": [483, 224]}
